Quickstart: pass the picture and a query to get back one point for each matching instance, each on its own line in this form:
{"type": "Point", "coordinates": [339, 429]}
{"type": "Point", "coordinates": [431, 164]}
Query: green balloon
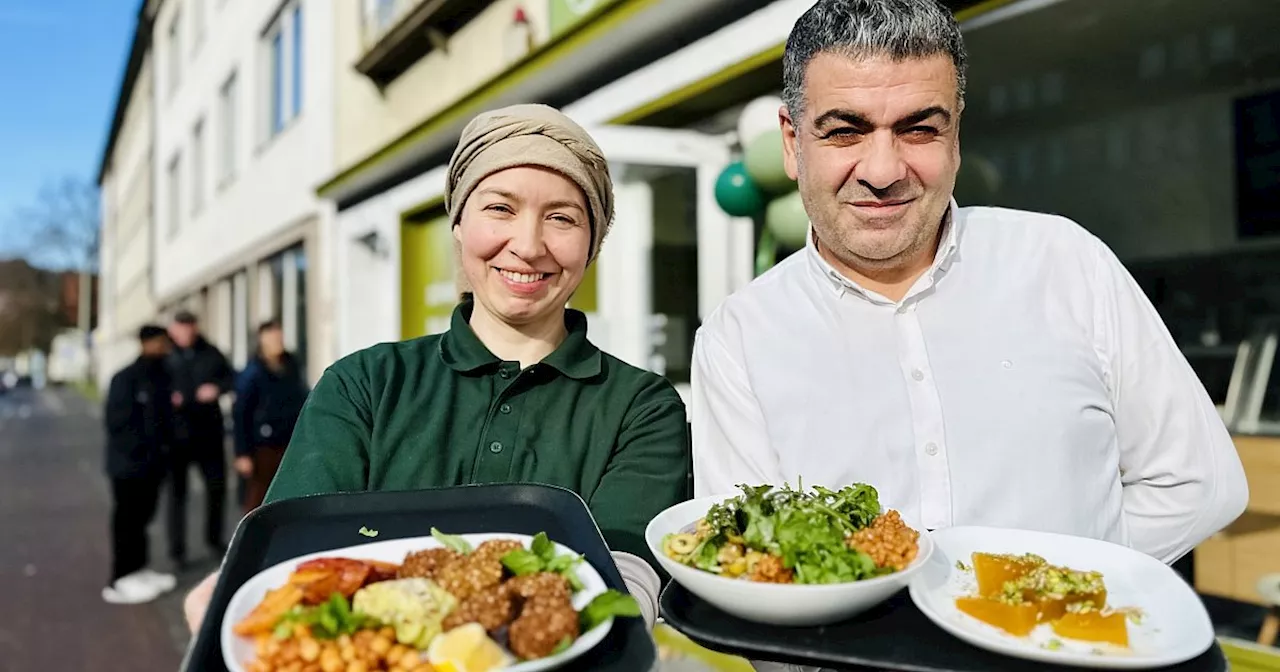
{"type": "Point", "coordinates": [737, 193]}
{"type": "Point", "coordinates": [787, 220]}
{"type": "Point", "coordinates": [764, 160]}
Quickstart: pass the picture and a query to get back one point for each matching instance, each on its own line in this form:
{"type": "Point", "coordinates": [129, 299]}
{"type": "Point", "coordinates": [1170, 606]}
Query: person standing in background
{"type": "Point", "coordinates": [201, 375]}
{"type": "Point", "coordinates": [139, 423]}
{"type": "Point", "coordinates": [269, 398]}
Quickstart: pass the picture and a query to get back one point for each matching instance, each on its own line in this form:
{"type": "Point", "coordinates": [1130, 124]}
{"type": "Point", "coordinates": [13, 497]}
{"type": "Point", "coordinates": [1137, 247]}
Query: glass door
{"type": "Point", "coordinates": [672, 255]}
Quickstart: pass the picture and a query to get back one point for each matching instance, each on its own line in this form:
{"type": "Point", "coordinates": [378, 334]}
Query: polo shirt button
{"type": "Point", "coordinates": [918, 375]}
{"type": "Point", "coordinates": [504, 373]}
{"type": "Point", "coordinates": [495, 447]}
{"type": "Point", "coordinates": [505, 408]}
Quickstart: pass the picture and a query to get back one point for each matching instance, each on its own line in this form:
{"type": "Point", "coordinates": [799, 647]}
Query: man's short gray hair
{"type": "Point", "coordinates": [898, 29]}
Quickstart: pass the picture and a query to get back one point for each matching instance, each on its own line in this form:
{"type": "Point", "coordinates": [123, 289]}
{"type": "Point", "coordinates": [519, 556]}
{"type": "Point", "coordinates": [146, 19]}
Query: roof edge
{"type": "Point", "coordinates": [138, 48]}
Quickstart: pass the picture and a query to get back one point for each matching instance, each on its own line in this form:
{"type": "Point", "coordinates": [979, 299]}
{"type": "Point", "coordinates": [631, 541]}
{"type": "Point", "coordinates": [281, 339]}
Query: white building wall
{"type": "Point", "coordinates": [271, 190]}
{"type": "Point", "coordinates": [125, 296]}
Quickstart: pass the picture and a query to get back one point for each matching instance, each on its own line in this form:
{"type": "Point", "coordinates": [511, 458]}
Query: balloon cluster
{"type": "Point", "coordinates": [758, 185]}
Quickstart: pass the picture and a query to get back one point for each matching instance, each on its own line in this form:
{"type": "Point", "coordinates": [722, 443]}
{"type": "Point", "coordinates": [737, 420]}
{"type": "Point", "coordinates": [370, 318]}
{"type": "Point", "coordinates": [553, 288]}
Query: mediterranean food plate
{"type": "Point", "coordinates": [447, 603]}
{"type": "Point", "coordinates": [1060, 599]}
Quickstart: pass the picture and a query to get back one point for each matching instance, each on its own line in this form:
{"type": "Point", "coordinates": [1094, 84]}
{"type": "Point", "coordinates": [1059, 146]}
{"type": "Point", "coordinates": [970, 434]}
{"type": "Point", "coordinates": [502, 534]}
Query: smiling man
{"type": "Point", "coordinates": [979, 366]}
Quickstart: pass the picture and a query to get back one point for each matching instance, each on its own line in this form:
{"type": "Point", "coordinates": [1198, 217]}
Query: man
{"type": "Point", "coordinates": [978, 366]}
{"type": "Point", "coordinates": [201, 375]}
{"type": "Point", "coordinates": [139, 422]}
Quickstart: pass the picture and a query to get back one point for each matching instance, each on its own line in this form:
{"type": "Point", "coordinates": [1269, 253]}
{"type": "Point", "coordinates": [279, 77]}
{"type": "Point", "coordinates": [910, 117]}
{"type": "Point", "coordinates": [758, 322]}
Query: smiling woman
{"type": "Point", "coordinates": [513, 391]}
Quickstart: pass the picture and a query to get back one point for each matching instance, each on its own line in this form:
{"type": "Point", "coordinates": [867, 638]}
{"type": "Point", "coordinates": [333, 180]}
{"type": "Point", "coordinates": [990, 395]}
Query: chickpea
{"type": "Point", "coordinates": [357, 666]}
{"type": "Point", "coordinates": [309, 650]}
{"type": "Point", "coordinates": [388, 632]}
{"type": "Point", "coordinates": [380, 645]}
{"type": "Point", "coordinates": [331, 661]}
{"type": "Point", "coordinates": [348, 653]}
{"type": "Point", "coordinates": [344, 641]}
{"type": "Point", "coordinates": [301, 631]}
{"type": "Point", "coordinates": [395, 653]}
{"type": "Point", "coordinates": [295, 666]}
{"type": "Point", "coordinates": [312, 667]}
{"type": "Point", "coordinates": [259, 665]}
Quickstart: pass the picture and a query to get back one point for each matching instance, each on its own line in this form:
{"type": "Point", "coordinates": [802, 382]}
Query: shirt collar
{"type": "Point", "coordinates": [463, 352]}
{"type": "Point", "coordinates": [942, 261]}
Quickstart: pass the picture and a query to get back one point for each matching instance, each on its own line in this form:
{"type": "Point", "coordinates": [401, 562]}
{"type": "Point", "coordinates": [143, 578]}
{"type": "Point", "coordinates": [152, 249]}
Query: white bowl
{"type": "Point", "coordinates": [775, 603]}
{"type": "Point", "coordinates": [237, 651]}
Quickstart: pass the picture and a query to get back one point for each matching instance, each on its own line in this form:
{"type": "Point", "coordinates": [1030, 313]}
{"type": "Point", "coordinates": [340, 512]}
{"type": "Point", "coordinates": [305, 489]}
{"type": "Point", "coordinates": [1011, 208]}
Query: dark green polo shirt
{"type": "Point", "coordinates": [442, 410]}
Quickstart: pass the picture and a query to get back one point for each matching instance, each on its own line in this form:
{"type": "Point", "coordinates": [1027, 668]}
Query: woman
{"type": "Point", "coordinates": [513, 391]}
{"type": "Point", "coordinates": [269, 397]}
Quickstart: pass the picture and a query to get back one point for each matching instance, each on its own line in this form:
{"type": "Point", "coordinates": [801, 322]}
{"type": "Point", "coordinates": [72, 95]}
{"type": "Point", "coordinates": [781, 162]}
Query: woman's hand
{"type": "Point", "coordinates": [197, 601]}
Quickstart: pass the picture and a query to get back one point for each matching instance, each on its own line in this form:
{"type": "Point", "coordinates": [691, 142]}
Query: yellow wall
{"type": "Point", "coordinates": [369, 119]}
{"type": "Point", "coordinates": [428, 288]}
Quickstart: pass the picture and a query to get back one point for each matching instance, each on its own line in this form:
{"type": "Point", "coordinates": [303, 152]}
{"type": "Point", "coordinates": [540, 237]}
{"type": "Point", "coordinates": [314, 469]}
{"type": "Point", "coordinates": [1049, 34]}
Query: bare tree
{"type": "Point", "coordinates": [63, 225]}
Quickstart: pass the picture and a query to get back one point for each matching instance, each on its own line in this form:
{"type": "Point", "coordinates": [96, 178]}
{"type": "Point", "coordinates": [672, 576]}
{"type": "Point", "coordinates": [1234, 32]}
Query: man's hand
{"type": "Point", "coordinates": [197, 602]}
{"type": "Point", "coordinates": [244, 466]}
{"type": "Point", "coordinates": [207, 393]}
{"type": "Point", "coordinates": [176, 399]}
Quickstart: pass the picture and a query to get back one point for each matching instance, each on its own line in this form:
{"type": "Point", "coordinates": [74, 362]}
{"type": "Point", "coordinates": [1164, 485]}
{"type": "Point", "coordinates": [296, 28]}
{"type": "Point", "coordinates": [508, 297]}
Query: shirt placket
{"type": "Point", "coordinates": [926, 419]}
{"type": "Point", "coordinates": [498, 441]}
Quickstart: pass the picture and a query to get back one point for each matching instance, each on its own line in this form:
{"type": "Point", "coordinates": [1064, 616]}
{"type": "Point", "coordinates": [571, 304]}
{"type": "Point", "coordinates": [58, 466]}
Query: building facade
{"type": "Point", "coordinates": [126, 299]}
{"type": "Point", "coordinates": [243, 104]}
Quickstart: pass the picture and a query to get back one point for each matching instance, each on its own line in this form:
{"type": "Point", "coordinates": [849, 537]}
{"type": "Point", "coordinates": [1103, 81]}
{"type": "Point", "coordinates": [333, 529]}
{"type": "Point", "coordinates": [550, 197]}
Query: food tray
{"type": "Point", "coordinates": [287, 529]}
{"type": "Point", "coordinates": [892, 636]}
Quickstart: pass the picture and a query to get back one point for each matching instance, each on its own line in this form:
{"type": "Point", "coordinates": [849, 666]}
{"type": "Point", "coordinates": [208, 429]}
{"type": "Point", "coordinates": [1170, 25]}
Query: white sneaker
{"type": "Point", "coordinates": [132, 589]}
{"type": "Point", "coordinates": [164, 582]}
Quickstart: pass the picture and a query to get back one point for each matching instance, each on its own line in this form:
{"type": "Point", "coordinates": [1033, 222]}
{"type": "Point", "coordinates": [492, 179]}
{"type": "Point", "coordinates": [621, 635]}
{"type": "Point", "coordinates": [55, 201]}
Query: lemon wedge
{"type": "Point", "coordinates": [467, 649]}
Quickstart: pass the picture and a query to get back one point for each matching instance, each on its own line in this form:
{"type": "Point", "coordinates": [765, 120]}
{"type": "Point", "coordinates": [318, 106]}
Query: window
{"type": "Point", "coordinates": [175, 194]}
{"type": "Point", "coordinates": [175, 51]}
{"type": "Point", "coordinates": [227, 136]}
{"type": "Point", "coordinates": [283, 44]}
{"type": "Point", "coordinates": [197, 168]}
{"type": "Point", "coordinates": [378, 16]}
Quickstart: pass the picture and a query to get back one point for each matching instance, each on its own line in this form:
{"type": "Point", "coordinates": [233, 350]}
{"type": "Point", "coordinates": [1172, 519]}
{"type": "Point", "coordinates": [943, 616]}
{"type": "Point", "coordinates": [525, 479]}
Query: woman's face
{"type": "Point", "coordinates": [525, 235]}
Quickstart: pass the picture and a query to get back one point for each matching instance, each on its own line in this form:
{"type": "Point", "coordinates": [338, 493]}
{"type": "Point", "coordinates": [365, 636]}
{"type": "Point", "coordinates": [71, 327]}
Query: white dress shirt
{"type": "Point", "coordinates": [1024, 381]}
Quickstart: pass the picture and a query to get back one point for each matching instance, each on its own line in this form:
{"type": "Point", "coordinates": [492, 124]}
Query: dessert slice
{"type": "Point", "coordinates": [1054, 589]}
{"type": "Point", "coordinates": [1015, 618]}
{"type": "Point", "coordinates": [1093, 625]}
{"type": "Point", "coordinates": [994, 570]}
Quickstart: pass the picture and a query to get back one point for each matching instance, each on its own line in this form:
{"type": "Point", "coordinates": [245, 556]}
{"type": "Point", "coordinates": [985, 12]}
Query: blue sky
{"type": "Point", "coordinates": [60, 66]}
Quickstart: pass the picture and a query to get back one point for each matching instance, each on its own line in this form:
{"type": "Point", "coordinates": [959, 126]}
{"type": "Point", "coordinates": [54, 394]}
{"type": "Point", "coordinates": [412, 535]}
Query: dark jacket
{"type": "Point", "coordinates": [139, 419]}
{"type": "Point", "coordinates": [190, 368]}
{"type": "Point", "coordinates": [267, 404]}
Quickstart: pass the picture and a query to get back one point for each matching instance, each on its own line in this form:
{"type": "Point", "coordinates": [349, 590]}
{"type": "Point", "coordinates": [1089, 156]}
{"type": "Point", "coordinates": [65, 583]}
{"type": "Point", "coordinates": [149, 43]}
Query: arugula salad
{"type": "Point", "coordinates": [785, 535]}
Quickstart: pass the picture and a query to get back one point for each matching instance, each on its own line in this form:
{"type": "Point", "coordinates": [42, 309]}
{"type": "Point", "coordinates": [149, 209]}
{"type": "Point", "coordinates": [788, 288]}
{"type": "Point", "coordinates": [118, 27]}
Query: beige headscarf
{"type": "Point", "coordinates": [531, 135]}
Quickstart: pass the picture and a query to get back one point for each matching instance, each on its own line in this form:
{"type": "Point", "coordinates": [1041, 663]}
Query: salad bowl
{"type": "Point", "coordinates": [805, 601]}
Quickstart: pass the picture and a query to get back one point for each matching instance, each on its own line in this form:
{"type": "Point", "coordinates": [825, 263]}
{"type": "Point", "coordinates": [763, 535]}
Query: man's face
{"type": "Point", "coordinates": [183, 335]}
{"type": "Point", "coordinates": [876, 154]}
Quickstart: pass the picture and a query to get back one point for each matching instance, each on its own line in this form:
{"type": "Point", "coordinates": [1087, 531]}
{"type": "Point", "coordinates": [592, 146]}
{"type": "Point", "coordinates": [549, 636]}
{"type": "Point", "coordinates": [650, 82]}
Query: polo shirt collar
{"type": "Point", "coordinates": [463, 352]}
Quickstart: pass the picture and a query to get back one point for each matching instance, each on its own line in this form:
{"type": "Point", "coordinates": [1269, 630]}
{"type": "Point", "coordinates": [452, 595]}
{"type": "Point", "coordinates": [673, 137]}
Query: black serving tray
{"type": "Point", "coordinates": [290, 528]}
{"type": "Point", "coordinates": [894, 636]}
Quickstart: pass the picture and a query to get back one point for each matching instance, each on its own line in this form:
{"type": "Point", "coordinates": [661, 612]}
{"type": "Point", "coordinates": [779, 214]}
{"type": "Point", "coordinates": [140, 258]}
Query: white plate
{"type": "Point", "coordinates": [238, 651]}
{"type": "Point", "coordinates": [1174, 626]}
{"type": "Point", "coordinates": [784, 604]}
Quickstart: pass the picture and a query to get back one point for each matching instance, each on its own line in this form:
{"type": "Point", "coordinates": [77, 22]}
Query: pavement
{"type": "Point", "coordinates": [55, 553]}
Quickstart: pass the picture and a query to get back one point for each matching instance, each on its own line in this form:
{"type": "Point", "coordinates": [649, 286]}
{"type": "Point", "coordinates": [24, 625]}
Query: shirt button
{"type": "Point", "coordinates": [931, 448]}
{"type": "Point", "coordinates": [902, 310]}
{"type": "Point", "coordinates": [505, 408]}
{"type": "Point", "coordinates": [918, 375]}
{"type": "Point", "coordinates": [495, 447]}
{"type": "Point", "coordinates": [504, 373]}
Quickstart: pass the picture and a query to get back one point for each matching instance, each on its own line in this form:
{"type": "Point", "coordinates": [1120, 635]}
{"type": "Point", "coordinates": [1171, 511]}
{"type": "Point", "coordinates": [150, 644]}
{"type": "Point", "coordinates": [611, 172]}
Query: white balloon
{"type": "Point", "coordinates": [758, 116]}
